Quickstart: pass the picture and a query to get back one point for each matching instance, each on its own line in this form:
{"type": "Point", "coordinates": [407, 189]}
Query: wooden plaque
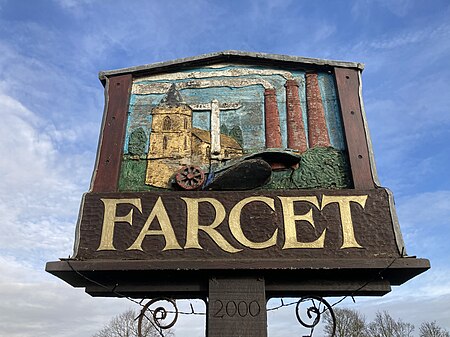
{"type": "Point", "coordinates": [238, 307]}
{"type": "Point", "coordinates": [248, 165]}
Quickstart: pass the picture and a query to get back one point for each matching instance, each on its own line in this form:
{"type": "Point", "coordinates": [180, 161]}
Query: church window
{"type": "Point", "coordinates": [185, 143]}
{"type": "Point", "coordinates": [185, 123]}
{"type": "Point", "coordinates": [167, 123]}
{"type": "Point", "coordinates": [164, 143]}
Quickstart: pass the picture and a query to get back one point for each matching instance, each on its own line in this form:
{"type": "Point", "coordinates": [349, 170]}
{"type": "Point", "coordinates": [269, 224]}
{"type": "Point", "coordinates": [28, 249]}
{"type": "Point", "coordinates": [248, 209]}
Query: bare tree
{"type": "Point", "coordinates": [349, 323]}
{"type": "Point", "coordinates": [431, 329]}
{"type": "Point", "coordinates": [385, 326]}
{"type": "Point", "coordinates": [126, 325]}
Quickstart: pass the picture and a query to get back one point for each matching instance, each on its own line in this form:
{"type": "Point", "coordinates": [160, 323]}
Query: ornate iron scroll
{"type": "Point", "coordinates": [158, 315]}
{"type": "Point", "coordinates": [317, 307]}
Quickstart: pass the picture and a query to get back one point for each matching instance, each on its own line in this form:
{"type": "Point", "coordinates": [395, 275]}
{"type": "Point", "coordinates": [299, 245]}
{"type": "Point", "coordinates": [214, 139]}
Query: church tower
{"type": "Point", "coordinates": [170, 139]}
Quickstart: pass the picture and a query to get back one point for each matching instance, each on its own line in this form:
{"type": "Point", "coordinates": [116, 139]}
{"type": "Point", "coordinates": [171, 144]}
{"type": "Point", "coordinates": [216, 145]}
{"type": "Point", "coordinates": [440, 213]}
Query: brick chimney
{"type": "Point", "coordinates": [317, 126]}
{"type": "Point", "coordinates": [272, 119]}
{"type": "Point", "coordinates": [296, 138]}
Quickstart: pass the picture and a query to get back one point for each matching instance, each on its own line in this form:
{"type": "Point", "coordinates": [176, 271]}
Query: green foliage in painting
{"type": "Point", "coordinates": [137, 143]}
{"type": "Point", "coordinates": [320, 167]}
{"type": "Point", "coordinates": [224, 129]}
{"type": "Point", "coordinates": [132, 175]}
{"type": "Point", "coordinates": [236, 133]}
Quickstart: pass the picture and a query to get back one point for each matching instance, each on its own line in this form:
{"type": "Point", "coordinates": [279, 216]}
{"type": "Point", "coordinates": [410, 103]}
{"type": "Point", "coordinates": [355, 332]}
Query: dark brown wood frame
{"type": "Point", "coordinates": [117, 89]}
{"type": "Point", "coordinates": [324, 277]}
{"type": "Point", "coordinates": [112, 137]}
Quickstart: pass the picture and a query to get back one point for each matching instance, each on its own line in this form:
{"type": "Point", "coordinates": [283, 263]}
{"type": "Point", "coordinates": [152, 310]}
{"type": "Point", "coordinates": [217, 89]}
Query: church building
{"type": "Point", "coordinates": [174, 143]}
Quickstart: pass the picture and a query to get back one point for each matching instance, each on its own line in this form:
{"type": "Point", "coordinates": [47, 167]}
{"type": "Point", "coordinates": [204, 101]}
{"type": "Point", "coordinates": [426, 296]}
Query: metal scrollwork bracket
{"type": "Point", "coordinates": [158, 315]}
{"type": "Point", "coordinates": [316, 307]}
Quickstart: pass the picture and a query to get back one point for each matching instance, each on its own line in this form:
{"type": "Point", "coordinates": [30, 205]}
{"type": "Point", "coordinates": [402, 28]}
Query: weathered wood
{"type": "Point", "coordinates": [328, 277]}
{"type": "Point", "coordinates": [231, 56]}
{"type": "Point", "coordinates": [236, 307]}
{"type": "Point", "coordinates": [327, 287]}
{"type": "Point", "coordinates": [112, 137]}
{"type": "Point", "coordinates": [347, 81]}
{"type": "Point", "coordinates": [245, 175]}
{"type": "Point", "coordinates": [295, 288]}
{"type": "Point", "coordinates": [253, 234]}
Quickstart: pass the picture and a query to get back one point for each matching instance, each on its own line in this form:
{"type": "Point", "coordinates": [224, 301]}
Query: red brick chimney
{"type": "Point", "coordinates": [296, 138]}
{"type": "Point", "coordinates": [317, 126]}
{"type": "Point", "coordinates": [272, 119]}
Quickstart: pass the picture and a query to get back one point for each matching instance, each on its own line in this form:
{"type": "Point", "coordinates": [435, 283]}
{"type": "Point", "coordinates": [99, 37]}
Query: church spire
{"type": "Point", "coordinates": [173, 97]}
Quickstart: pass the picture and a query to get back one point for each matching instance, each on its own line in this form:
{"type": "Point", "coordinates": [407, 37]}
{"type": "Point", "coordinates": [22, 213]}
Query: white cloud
{"type": "Point", "coordinates": [47, 143]}
{"type": "Point", "coordinates": [26, 149]}
{"type": "Point", "coordinates": [34, 303]}
{"type": "Point", "coordinates": [429, 209]}
{"type": "Point", "coordinates": [40, 194]}
{"type": "Point", "coordinates": [323, 32]}
{"type": "Point", "coordinates": [405, 105]}
{"type": "Point", "coordinates": [73, 4]}
{"type": "Point", "coordinates": [363, 8]}
{"type": "Point", "coordinates": [398, 7]}
{"type": "Point", "coordinates": [410, 37]}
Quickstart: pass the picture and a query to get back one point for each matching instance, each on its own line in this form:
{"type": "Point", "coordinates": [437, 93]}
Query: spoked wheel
{"type": "Point", "coordinates": [190, 177]}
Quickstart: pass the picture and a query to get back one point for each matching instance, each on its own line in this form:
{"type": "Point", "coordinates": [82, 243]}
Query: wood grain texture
{"type": "Point", "coordinates": [150, 278]}
{"type": "Point", "coordinates": [373, 227]}
{"type": "Point", "coordinates": [106, 174]}
{"type": "Point", "coordinates": [347, 82]}
{"type": "Point", "coordinates": [275, 288]}
{"type": "Point", "coordinates": [237, 307]}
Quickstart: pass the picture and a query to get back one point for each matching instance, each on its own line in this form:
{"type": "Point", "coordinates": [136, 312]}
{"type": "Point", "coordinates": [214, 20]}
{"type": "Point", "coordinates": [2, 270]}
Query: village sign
{"type": "Point", "coordinates": [236, 170]}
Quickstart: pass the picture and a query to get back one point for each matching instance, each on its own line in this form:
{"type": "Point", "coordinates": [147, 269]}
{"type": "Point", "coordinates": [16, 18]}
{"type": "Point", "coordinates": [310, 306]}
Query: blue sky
{"type": "Point", "coordinates": [51, 105]}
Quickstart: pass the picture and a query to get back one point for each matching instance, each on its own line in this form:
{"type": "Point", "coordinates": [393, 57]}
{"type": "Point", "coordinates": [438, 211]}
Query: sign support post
{"type": "Point", "coordinates": [236, 307]}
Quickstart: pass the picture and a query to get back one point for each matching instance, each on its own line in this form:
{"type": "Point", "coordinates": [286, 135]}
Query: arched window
{"type": "Point", "coordinates": [167, 123]}
{"type": "Point", "coordinates": [164, 143]}
{"type": "Point", "coordinates": [185, 143]}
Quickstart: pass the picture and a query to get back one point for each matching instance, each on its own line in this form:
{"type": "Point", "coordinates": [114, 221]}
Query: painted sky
{"type": "Point", "coordinates": [249, 117]}
{"type": "Point", "coordinates": [51, 105]}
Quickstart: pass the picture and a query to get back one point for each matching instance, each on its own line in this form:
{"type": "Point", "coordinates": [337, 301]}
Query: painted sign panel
{"type": "Point", "coordinates": [236, 161]}
{"type": "Point", "coordinates": [283, 126]}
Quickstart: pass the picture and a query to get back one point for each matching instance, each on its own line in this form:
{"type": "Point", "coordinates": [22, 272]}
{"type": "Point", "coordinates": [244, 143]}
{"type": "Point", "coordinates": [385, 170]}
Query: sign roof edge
{"type": "Point", "coordinates": [231, 55]}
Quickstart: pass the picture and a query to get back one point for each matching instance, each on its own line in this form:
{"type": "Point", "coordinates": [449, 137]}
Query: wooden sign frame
{"type": "Point", "coordinates": [184, 273]}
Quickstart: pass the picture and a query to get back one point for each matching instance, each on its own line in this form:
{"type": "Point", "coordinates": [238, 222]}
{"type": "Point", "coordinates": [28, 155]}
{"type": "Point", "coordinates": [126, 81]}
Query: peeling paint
{"type": "Point", "coordinates": [234, 98]}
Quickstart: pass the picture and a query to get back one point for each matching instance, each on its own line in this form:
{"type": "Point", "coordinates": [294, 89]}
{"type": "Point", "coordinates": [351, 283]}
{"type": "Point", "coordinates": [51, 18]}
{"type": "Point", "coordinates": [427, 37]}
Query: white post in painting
{"type": "Point", "coordinates": [215, 108]}
{"type": "Point", "coordinates": [215, 129]}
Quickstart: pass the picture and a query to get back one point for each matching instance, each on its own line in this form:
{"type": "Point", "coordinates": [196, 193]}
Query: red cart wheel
{"type": "Point", "coordinates": [190, 177]}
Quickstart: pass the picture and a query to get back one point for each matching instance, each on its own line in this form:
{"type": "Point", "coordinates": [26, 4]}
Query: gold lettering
{"type": "Point", "coordinates": [236, 228]}
{"type": "Point", "coordinates": [159, 212]}
{"type": "Point", "coordinates": [348, 232]}
{"type": "Point", "coordinates": [110, 219]}
{"type": "Point", "coordinates": [290, 228]}
{"type": "Point", "coordinates": [193, 226]}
